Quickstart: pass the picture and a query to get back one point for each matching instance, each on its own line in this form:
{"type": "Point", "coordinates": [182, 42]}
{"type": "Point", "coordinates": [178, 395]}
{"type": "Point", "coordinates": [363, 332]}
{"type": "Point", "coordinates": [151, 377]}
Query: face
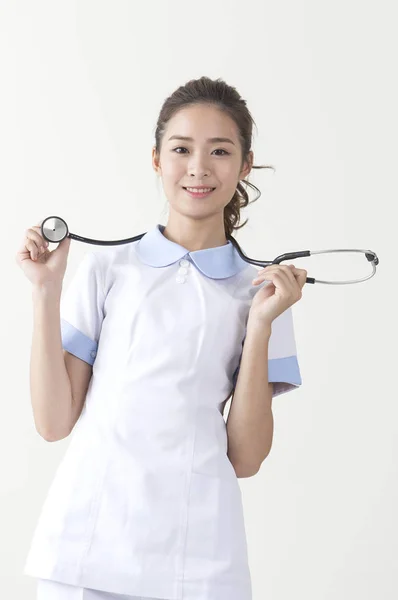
{"type": "Point", "coordinates": [200, 161]}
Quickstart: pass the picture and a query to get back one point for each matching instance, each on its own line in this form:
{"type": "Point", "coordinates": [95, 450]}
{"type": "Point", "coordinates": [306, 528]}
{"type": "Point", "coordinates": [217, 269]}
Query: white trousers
{"type": "Point", "coordinates": [54, 590]}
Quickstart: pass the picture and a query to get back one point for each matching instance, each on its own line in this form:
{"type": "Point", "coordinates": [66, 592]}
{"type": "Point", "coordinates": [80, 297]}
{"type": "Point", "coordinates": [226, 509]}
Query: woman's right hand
{"type": "Point", "coordinates": [42, 267]}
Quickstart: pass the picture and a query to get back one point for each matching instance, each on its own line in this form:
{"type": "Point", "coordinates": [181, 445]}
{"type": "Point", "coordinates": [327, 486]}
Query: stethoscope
{"type": "Point", "coordinates": [54, 229]}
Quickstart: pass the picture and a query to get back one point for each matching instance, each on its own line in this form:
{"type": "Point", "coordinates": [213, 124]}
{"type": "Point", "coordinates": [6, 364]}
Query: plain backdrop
{"type": "Point", "coordinates": [82, 84]}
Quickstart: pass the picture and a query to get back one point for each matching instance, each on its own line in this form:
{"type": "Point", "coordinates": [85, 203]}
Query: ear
{"type": "Point", "coordinates": [247, 165]}
{"type": "Point", "coordinates": [155, 161]}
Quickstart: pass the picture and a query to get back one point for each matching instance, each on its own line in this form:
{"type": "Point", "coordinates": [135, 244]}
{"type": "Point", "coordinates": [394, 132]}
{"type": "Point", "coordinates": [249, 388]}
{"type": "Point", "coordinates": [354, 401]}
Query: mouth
{"type": "Point", "coordinates": [199, 192]}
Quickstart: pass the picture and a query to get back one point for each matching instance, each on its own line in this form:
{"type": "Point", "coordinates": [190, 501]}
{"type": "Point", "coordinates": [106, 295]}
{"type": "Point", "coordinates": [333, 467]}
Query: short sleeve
{"type": "Point", "coordinates": [283, 366]}
{"type": "Point", "coordinates": [82, 309]}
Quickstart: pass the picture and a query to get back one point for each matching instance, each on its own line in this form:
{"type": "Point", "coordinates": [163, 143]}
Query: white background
{"type": "Point", "coordinates": [82, 84]}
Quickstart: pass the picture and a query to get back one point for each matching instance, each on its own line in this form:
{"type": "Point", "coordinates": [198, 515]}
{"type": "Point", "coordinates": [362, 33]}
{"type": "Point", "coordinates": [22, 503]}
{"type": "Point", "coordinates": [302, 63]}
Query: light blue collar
{"type": "Point", "coordinates": [156, 250]}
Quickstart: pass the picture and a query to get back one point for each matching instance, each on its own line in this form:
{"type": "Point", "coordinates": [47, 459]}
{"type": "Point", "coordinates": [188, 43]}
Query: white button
{"type": "Point", "coordinates": [182, 271]}
{"type": "Point", "coordinates": [93, 354]}
{"type": "Point", "coordinates": [184, 263]}
{"type": "Point", "coordinates": [180, 279]}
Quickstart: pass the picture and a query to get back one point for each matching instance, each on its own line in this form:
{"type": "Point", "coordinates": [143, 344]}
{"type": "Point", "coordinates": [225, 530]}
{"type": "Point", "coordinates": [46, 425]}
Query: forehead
{"type": "Point", "coordinates": [201, 122]}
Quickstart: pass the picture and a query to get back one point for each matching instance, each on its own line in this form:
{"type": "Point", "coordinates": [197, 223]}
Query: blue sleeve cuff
{"type": "Point", "coordinates": [285, 370]}
{"type": "Point", "coordinates": [77, 343]}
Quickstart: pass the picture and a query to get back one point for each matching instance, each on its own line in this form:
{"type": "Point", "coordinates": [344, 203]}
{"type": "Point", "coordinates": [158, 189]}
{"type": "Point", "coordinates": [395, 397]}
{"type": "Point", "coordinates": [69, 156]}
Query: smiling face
{"type": "Point", "coordinates": [200, 160]}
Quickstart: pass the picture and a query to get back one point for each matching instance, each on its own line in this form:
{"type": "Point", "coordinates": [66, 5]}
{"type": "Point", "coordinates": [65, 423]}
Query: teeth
{"type": "Point", "coordinates": [199, 190]}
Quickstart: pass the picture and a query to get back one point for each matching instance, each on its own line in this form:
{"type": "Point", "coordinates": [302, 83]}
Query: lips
{"type": "Point", "coordinates": [198, 194]}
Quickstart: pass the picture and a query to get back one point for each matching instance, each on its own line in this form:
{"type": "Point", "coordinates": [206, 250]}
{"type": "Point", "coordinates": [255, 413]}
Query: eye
{"type": "Point", "coordinates": [221, 150]}
{"type": "Point", "coordinates": [178, 148]}
{"type": "Point", "coordinates": [217, 150]}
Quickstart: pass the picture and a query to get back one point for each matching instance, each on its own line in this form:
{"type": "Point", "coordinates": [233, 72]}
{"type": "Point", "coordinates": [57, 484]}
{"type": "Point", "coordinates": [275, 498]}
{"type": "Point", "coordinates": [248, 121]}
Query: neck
{"type": "Point", "coordinates": [195, 234]}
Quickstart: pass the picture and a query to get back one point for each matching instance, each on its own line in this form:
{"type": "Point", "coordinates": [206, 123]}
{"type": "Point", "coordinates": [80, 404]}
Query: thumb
{"type": "Point", "coordinates": [63, 246]}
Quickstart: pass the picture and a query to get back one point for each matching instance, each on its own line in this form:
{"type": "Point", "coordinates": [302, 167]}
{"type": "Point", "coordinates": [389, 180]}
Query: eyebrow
{"type": "Point", "coordinates": [214, 140]}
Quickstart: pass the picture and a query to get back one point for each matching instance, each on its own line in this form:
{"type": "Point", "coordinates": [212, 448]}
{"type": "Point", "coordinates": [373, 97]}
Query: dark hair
{"type": "Point", "coordinates": [227, 99]}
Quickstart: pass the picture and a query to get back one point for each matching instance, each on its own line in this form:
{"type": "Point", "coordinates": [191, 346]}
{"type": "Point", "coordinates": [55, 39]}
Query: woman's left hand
{"type": "Point", "coordinates": [284, 289]}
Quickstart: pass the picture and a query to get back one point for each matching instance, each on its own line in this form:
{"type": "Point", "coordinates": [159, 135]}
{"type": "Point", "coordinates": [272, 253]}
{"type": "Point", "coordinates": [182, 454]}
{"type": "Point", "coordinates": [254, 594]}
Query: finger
{"type": "Point", "coordinates": [279, 278]}
{"type": "Point", "coordinates": [31, 249]}
{"type": "Point", "coordinates": [37, 228]}
{"type": "Point", "coordinates": [290, 271]}
{"type": "Point", "coordinates": [286, 273]}
{"type": "Point", "coordinates": [28, 249]}
{"type": "Point", "coordinates": [31, 244]}
{"type": "Point", "coordinates": [296, 277]}
{"type": "Point", "coordinates": [273, 266]}
{"type": "Point", "coordinates": [35, 235]}
{"type": "Point", "coordinates": [301, 275]}
{"type": "Point", "coordinates": [284, 270]}
{"type": "Point", "coordinates": [285, 279]}
{"type": "Point", "coordinates": [302, 278]}
{"type": "Point", "coordinates": [263, 273]}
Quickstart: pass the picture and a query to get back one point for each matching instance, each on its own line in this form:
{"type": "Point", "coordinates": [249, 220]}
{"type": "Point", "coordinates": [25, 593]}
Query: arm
{"type": "Point", "coordinates": [50, 383]}
{"type": "Point", "coordinates": [251, 424]}
{"type": "Point", "coordinates": [250, 420]}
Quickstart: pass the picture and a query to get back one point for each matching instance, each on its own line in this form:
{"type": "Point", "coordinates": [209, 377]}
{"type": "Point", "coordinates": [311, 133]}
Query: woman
{"type": "Point", "coordinates": [139, 357]}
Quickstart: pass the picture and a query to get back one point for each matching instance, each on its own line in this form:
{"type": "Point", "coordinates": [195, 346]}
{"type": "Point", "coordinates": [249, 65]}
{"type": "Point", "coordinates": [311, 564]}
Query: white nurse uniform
{"type": "Point", "coordinates": [146, 501]}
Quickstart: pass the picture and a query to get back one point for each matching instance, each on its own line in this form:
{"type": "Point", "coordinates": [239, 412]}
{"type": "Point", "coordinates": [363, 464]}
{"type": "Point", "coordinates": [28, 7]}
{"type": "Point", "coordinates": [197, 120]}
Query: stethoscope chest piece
{"type": "Point", "coordinates": [54, 229]}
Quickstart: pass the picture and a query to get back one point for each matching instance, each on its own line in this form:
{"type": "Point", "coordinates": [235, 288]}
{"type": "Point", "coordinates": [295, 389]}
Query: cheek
{"type": "Point", "coordinates": [172, 173]}
{"type": "Point", "coordinates": [171, 167]}
{"type": "Point", "coordinates": [228, 174]}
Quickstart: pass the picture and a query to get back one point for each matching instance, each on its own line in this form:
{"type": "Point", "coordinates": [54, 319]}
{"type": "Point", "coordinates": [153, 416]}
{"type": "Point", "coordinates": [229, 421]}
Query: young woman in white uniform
{"type": "Point", "coordinates": [146, 502]}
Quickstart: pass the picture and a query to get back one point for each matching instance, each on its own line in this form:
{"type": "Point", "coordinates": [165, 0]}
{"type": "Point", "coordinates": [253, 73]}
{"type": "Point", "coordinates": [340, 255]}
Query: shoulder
{"type": "Point", "coordinates": [106, 256]}
{"type": "Point", "coordinates": [111, 262]}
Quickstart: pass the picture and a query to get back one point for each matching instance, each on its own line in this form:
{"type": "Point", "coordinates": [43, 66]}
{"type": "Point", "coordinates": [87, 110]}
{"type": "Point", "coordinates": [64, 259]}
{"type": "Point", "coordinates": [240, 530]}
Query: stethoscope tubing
{"type": "Point", "coordinates": [60, 231]}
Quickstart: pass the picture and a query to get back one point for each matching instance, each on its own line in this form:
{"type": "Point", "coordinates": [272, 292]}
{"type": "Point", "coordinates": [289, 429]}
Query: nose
{"type": "Point", "coordinates": [198, 167]}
